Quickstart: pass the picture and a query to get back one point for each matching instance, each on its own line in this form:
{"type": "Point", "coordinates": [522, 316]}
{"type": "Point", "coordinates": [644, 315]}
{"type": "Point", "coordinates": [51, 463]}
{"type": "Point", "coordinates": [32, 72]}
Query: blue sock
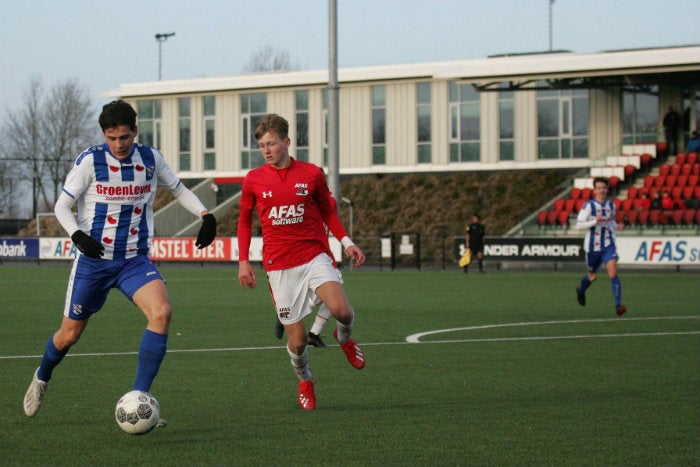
{"type": "Point", "coordinates": [52, 357]}
{"type": "Point", "coordinates": [151, 353]}
{"type": "Point", "coordinates": [616, 290]}
{"type": "Point", "coordinates": [585, 283]}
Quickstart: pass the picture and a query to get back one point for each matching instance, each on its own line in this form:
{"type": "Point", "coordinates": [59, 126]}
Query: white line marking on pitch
{"type": "Point", "coordinates": [415, 338]}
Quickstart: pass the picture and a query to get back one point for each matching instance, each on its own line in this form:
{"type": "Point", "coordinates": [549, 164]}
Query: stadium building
{"type": "Point", "coordinates": [554, 110]}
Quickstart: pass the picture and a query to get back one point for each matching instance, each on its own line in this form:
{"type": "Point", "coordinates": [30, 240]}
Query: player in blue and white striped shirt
{"type": "Point", "coordinates": [114, 186]}
{"type": "Point", "coordinates": [597, 217]}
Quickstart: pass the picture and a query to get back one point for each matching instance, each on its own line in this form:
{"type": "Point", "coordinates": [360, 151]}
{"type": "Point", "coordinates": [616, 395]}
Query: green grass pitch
{"type": "Point", "coordinates": [509, 371]}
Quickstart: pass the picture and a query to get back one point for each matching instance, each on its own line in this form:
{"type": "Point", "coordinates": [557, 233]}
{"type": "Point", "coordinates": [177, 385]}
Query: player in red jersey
{"type": "Point", "coordinates": [293, 204]}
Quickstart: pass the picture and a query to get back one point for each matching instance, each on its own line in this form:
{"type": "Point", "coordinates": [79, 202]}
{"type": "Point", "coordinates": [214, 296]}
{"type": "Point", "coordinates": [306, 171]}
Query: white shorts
{"type": "Point", "coordinates": [294, 290]}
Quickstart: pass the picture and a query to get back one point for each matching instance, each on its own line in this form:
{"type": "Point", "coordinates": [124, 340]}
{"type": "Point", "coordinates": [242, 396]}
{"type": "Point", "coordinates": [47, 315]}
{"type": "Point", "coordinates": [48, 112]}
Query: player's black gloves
{"type": "Point", "coordinates": [87, 245]}
{"type": "Point", "coordinates": [207, 231]}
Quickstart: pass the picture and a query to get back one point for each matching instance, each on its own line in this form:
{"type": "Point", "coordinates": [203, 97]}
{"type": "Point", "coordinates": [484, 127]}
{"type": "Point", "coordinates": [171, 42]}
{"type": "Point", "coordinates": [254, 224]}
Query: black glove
{"type": "Point", "coordinates": [207, 231]}
{"type": "Point", "coordinates": [87, 245]}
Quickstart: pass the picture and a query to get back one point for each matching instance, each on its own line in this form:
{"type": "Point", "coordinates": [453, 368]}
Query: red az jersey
{"type": "Point", "coordinates": [293, 205]}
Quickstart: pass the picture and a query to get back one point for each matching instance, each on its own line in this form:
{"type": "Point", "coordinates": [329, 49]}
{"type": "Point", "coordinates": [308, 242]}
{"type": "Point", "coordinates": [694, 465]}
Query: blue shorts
{"type": "Point", "coordinates": [595, 259]}
{"type": "Point", "coordinates": [91, 280]}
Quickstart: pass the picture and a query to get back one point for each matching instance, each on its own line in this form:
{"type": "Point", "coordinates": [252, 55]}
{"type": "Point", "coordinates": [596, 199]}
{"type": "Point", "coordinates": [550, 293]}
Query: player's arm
{"type": "Point", "coordinates": [77, 181]}
{"type": "Point", "coordinates": [246, 274]}
{"type": "Point", "coordinates": [583, 220]}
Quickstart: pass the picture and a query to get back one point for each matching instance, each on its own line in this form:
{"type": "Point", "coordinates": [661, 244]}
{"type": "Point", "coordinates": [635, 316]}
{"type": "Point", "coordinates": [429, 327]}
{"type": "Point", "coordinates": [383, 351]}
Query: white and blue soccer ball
{"type": "Point", "coordinates": [137, 412]}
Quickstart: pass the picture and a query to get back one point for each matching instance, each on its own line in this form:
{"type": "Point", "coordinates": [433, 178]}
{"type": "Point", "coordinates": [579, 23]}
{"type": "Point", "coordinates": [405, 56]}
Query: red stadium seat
{"type": "Point", "coordinates": [692, 158]}
{"type": "Point", "coordinates": [614, 183]}
{"type": "Point", "coordinates": [563, 218]}
{"type": "Point", "coordinates": [693, 179]}
{"type": "Point", "coordinates": [645, 162]}
{"type": "Point", "coordinates": [661, 148]}
{"type": "Point", "coordinates": [677, 192]}
{"type": "Point", "coordinates": [569, 204]}
{"type": "Point", "coordinates": [649, 180]}
{"type": "Point", "coordinates": [576, 192]}
{"type": "Point", "coordinates": [559, 204]}
{"type": "Point", "coordinates": [627, 204]}
{"type": "Point", "coordinates": [579, 204]}
{"type": "Point", "coordinates": [629, 172]}
{"type": "Point", "coordinates": [689, 216]}
{"type": "Point", "coordinates": [696, 191]}
{"type": "Point", "coordinates": [542, 218]}
{"type": "Point", "coordinates": [670, 181]}
{"type": "Point", "coordinates": [552, 218]}
{"type": "Point", "coordinates": [677, 216]}
{"type": "Point", "coordinates": [632, 192]}
{"type": "Point", "coordinates": [586, 193]}
{"type": "Point", "coordinates": [686, 169]}
{"type": "Point", "coordinates": [659, 181]}
{"type": "Point", "coordinates": [643, 217]}
{"type": "Point", "coordinates": [695, 170]}
{"type": "Point", "coordinates": [664, 169]}
{"type": "Point", "coordinates": [632, 217]}
{"type": "Point", "coordinates": [620, 216]}
{"type": "Point", "coordinates": [681, 180]}
{"type": "Point", "coordinates": [675, 169]}
{"type": "Point", "coordinates": [688, 192]}
{"type": "Point", "coordinates": [617, 202]}
{"type": "Point", "coordinates": [680, 158]}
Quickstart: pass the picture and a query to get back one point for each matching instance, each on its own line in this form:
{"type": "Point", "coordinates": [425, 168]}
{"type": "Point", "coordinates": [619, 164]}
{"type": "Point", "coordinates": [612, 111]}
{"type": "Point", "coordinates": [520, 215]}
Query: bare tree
{"type": "Point", "coordinates": [268, 58]}
{"type": "Point", "coordinates": [43, 137]}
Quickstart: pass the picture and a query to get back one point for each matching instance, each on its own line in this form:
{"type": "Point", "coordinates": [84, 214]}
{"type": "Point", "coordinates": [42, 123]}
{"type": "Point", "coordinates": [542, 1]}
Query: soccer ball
{"type": "Point", "coordinates": [137, 412]}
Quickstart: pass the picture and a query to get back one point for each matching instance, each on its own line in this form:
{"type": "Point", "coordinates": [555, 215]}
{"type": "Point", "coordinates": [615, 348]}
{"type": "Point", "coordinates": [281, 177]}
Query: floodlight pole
{"type": "Point", "coordinates": [160, 38]}
{"type": "Point", "coordinates": [551, 2]}
{"type": "Point", "coordinates": [351, 205]}
{"type": "Point", "coordinates": [333, 119]}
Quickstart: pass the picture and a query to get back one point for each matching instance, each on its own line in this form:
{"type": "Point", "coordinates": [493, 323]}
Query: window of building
{"type": "Point", "coordinates": [378, 125]}
{"type": "Point", "coordinates": [640, 115]}
{"type": "Point", "coordinates": [209, 105]}
{"type": "Point", "coordinates": [149, 122]}
{"type": "Point", "coordinates": [253, 110]}
{"type": "Point", "coordinates": [184, 120]}
{"type": "Point", "coordinates": [423, 123]}
{"type": "Point", "coordinates": [302, 121]}
{"type": "Point", "coordinates": [465, 123]}
{"type": "Point", "coordinates": [562, 124]}
{"type": "Point", "coordinates": [506, 105]}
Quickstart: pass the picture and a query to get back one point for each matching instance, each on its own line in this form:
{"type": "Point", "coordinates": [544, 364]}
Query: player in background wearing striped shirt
{"type": "Point", "coordinates": [597, 217]}
{"type": "Point", "coordinates": [293, 204]}
{"type": "Point", "coordinates": [114, 185]}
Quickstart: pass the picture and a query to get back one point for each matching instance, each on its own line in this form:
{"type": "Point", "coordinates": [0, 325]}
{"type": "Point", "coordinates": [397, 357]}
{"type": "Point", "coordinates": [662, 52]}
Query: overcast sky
{"type": "Point", "coordinates": [104, 44]}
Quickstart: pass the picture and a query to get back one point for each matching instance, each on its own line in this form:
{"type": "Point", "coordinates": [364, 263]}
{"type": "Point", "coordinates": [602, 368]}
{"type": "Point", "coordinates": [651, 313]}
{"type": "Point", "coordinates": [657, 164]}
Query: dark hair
{"type": "Point", "coordinates": [117, 113]}
{"type": "Point", "coordinates": [601, 180]}
{"type": "Point", "coordinates": [273, 123]}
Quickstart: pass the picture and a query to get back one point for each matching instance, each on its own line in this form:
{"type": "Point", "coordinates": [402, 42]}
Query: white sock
{"type": "Point", "coordinates": [345, 330]}
{"type": "Point", "coordinates": [300, 363]}
{"type": "Point", "coordinates": [321, 319]}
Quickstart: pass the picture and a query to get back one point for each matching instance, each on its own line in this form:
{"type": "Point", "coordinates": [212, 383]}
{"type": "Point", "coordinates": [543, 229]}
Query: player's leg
{"type": "Point", "coordinates": [56, 348]}
{"type": "Point", "coordinates": [153, 300]}
{"type": "Point", "coordinates": [333, 296]}
{"type": "Point", "coordinates": [616, 286]}
{"type": "Point", "coordinates": [592, 263]}
{"type": "Point", "coordinates": [87, 292]}
{"type": "Point", "coordinates": [320, 321]}
{"type": "Point", "coordinates": [292, 299]}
